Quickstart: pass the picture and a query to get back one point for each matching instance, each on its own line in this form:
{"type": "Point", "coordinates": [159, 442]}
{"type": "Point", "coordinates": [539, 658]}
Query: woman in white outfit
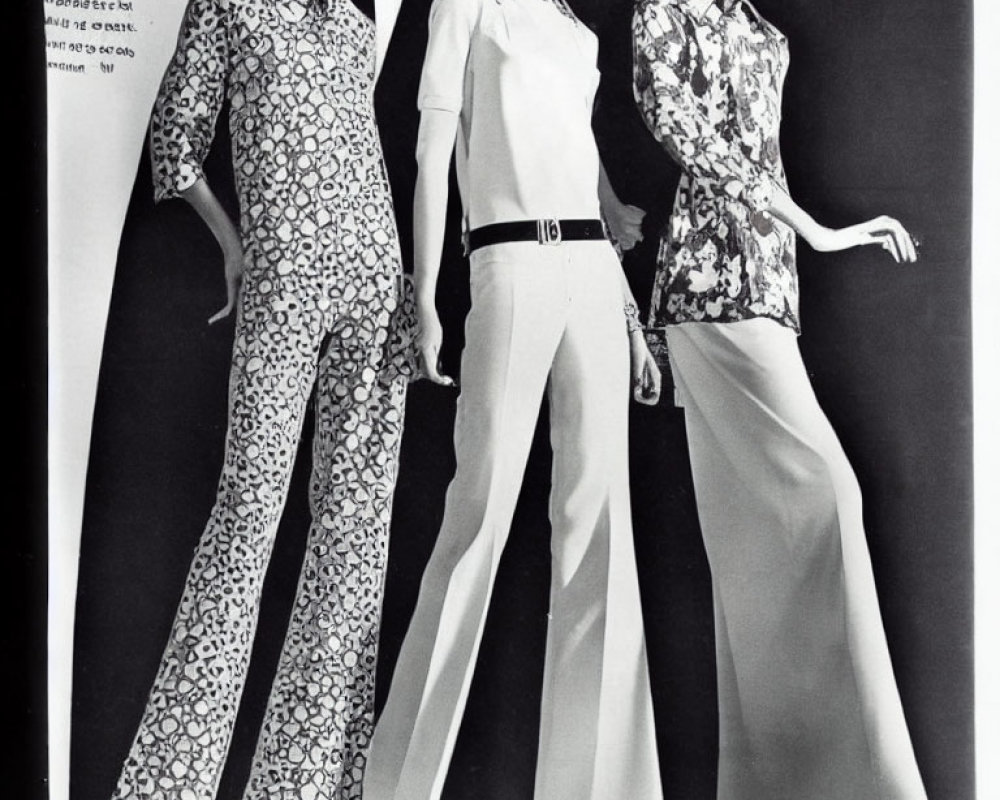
{"type": "Point", "coordinates": [513, 82]}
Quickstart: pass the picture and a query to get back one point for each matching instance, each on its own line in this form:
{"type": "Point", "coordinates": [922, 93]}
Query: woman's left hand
{"type": "Point", "coordinates": [645, 373]}
{"type": "Point", "coordinates": [624, 223]}
{"type": "Point", "coordinates": [234, 279]}
{"type": "Point", "coordinates": [884, 231]}
{"type": "Point", "coordinates": [429, 338]}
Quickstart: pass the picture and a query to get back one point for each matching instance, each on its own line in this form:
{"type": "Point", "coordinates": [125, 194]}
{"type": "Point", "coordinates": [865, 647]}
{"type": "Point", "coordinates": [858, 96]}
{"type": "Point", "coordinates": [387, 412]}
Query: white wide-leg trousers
{"type": "Point", "coordinates": [541, 315]}
{"type": "Point", "coordinates": [807, 699]}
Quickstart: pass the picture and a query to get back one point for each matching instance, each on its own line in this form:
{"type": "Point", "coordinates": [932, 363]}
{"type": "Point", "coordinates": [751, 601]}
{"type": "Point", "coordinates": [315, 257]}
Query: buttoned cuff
{"type": "Point", "coordinates": [172, 182]}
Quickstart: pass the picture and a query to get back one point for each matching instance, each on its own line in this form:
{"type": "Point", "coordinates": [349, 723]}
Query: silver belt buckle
{"type": "Point", "coordinates": [549, 231]}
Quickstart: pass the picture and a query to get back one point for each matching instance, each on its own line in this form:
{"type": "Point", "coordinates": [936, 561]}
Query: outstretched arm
{"type": "Point", "coordinates": [691, 126]}
{"type": "Point", "coordinates": [884, 231]}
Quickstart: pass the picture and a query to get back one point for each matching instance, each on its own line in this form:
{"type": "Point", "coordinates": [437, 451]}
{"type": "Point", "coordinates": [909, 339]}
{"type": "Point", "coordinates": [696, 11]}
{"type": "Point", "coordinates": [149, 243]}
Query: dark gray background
{"type": "Point", "coordinates": [877, 120]}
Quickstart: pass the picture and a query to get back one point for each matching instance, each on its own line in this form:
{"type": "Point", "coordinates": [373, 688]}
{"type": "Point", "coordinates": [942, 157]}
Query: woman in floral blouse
{"type": "Point", "coordinates": [807, 699]}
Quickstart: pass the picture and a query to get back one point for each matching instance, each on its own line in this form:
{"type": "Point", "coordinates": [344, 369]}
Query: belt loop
{"type": "Point", "coordinates": [549, 231]}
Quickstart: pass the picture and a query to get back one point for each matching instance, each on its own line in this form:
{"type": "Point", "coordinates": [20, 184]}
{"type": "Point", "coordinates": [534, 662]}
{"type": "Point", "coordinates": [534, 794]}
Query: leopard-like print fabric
{"type": "Point", "coordinates": [320, 309]}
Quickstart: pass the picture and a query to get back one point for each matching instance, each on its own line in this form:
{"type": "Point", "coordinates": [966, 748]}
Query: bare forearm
{"type": "Point", "coordinates": [613, 208]}
{"type": "Point", "coordinates": [633, 324]}
{"type": "Point", "coordinates": [207, 205]}
{"type": "Point", "coordinates": [428, 232]}
{"type": "Point", "coordinates": [883, 231]}
{"type": "Point", "coordinates": [435, 142]}
{"type": "Point", "coordinates": [623, 221]}
{"type": "Point", "coordinates": [784, 208]}
{"type": "Point", "coordinates": [605, 192]}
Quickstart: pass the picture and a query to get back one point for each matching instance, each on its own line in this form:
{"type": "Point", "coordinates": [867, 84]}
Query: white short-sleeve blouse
{"type": "Point", "coordinates": [522, 75]}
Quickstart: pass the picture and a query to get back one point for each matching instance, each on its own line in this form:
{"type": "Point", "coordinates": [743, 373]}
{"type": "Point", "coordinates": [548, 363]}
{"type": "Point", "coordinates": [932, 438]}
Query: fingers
{"type": "Point", "coordinates": [233, 285]}
{"type": "Point", "coordinates": [908, 246]}
{"type": "Point", "coordinates": [656, 377]}
{"type": "Point", "coordinates": [431, 367]}
{"type": "Point", "coordinates": [434, 376]}
{"type": "Point", "coordinates": [633, 215]}
{"type": "Point", "coordinates": [653, 382]}
{"type": "Point", "coordinates": [646, 389]}
{"type": "Point", "coordinates": [429, 346]}
{"type": "Point", "coordinates": [900, 244]}
{"type": "Point", "coordinates": [889, 244]}
{"type": "Point", "coordinates": [647, 397]}
{"type": "Point", "coordinates": [627, 241]}
{"type": "Point", "coordinates": [890, 234]}
{"type": "Point", "coordinates": [627, 226]}
{"type": "Point", "coordinates": [223, 312]}
{"type": "Point", "coordinates": [629, 237]}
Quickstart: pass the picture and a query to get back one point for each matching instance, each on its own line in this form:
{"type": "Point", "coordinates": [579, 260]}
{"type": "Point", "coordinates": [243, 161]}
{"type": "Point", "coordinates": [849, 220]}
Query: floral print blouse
{"type": "Point", "coordinates": [708, 83]}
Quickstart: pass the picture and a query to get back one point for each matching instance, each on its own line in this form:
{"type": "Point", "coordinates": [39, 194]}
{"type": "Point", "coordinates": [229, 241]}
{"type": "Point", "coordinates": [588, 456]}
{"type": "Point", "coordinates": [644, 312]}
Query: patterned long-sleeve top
{"type": "Point", "coordinates": [708, 82]}
{"type": "Point", "coordinates": [307, 160]}
{"type": "Point", "coordinates": [316, 214]}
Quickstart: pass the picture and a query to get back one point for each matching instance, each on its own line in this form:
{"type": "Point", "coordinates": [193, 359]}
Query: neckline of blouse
{"type": "Point", "coordinates": [712, 12]}
{"type": "Point", "coordinates": [701, 9]}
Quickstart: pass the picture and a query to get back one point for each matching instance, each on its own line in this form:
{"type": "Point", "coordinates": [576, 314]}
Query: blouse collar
{"type": "Point", "coordinates": [701, 10]}
{"type": "Point", "coordinates": [386, 12]}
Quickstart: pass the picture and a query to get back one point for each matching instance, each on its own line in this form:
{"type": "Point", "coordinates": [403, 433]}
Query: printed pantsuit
{"type": "Point", "coordinates": [320, 313]}
{"type": "Point", "coordinates": [540, 315]}
{"type": "Point", "coordinates": [808, 706]}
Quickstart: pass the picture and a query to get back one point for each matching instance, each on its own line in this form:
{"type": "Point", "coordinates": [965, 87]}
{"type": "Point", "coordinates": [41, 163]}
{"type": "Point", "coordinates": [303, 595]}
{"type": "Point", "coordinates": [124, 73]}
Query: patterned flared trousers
{"type": "Point", "coordinates": [318, 722]}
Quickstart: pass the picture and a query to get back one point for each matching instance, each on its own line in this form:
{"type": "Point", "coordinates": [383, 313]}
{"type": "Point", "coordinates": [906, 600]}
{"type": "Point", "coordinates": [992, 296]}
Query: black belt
{"type": "Point", "coordinates": [543, 231]}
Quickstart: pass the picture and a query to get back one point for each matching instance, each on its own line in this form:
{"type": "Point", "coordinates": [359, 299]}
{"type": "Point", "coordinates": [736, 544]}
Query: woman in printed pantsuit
{"type": "Point", "coordinates": [315, 277]}
{"type": "Point", "coordinates": [808, 706]}
{"type": "Point", "coordinates": [515, 81]}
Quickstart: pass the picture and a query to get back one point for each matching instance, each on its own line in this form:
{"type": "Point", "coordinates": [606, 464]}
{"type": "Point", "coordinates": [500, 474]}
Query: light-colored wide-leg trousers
{"type": "Point", "coordinates": [807, 699]}
{"type": "Point", "coordinates": [318, 722]}
{"type": "Point", "coordinates": [540, 315]}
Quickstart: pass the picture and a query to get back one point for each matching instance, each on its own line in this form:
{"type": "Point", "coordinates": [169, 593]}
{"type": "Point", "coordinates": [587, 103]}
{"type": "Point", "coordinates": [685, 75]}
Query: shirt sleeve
{"type": "Point", "coordinates": [184, 115]}
{"type": "Point", "coordinates": [442, 81]}
{"type": "Point", "coordinates": [677, 101]}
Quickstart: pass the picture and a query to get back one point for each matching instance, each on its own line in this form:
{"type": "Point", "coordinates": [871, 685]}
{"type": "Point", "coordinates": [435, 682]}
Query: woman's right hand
{"type": "Point", "coordinates": [884, 231]}
{"type": "Point", "coordinates": [646, 378]}
{"type": "Point", "coordinates": [207, 205]}
{"type": "Point", "coordinates": [234, 277]}
{"type": "Point", "coordinates": [429, 338]}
